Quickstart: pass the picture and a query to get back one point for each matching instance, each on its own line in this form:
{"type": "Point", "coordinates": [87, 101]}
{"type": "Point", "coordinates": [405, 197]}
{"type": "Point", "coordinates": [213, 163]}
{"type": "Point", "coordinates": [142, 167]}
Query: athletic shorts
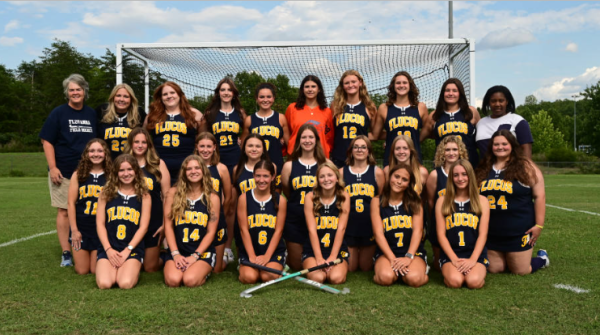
{"type": "Point", "coordinates": [210, 257]}
{"type": "Point", "coordinates": [420, 253]}
{"type": "Point", "coordinates": [355, 242]}
{"type": "Point", "coordinates": [294, 232]}
{"type": "Point", "coordinates": [59, 194]}
{"type": "Point", "coordinates": [307, 252]}
{"type": "Point", "coordinates": [483, 258]}
{"type": "Point", "coordinates": [221, 235]}
{"type": "Point", "coordinates": [149, 241]}
{"type": "Point", "coordinates": [88, 243]}
{"type": "Point", "coordinates": [432, 234]}
{"type": "Point", "coordinates": [136, 253]}
{"type": "Point", "coordinates": [279, 257]}
{"type": "Point", "coordinates": [508, 243]}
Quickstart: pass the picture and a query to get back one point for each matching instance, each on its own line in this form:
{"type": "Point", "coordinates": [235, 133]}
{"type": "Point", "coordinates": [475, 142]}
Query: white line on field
{"type": "Point", "coordinates": [26, 238]}
{"type": "Point", "coordinates": [573, 210]}
{"type": "Point", "coordinates": [571, 288]}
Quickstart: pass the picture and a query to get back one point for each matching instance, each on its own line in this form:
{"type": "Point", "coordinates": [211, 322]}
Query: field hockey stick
{"type": "Point", "coordinates": [299, 278]}
{"type": "Point", "coordinates": [246, 293]}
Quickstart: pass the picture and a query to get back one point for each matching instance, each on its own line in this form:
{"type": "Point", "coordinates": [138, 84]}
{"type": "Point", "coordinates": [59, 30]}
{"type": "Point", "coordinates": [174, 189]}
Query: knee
{"type": "Point", "coordinates": [454, 281]}
{"type": "Point", "coordinates": [337, 279]}
{"type": "Point", "coordinates": [318, 276]}
{"type": "Point", "coordinates": [62, 213]}
{"type": "Point", "coordinates": [521, 271]}
{"type": "Point", "coordinates": [151, 267]}
{"type": "Point", "coordinates": [266, 276]}
{"type": "Point", "coordinates": [127, 283]}
{"type": "Point", "coordinates": [366, 266]}
{"type": "Point", "coordinates": [248, 278]}
{"type": "Point", "coordinates": [81, 270]}
{"type": "Point", "coordinates": [384, 278]}
{"type": "Point", "coordinates": [496, 268]}
{"type": "Point", "coordinates": [475, 283]}
{"type": "Point", "coordinates": [172, 281]}
{"type": "Point", "coordinates": [416, 279]}
{"type": "Point", "coordinates": [104, 284]}
{"type": "Point", "coordinates": [193, 281]}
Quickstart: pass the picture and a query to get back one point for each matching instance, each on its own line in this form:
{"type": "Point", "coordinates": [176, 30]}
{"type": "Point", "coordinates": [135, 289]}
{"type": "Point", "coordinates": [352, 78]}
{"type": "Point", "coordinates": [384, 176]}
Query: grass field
{"type": "Point", "coordinates": [39, 297]}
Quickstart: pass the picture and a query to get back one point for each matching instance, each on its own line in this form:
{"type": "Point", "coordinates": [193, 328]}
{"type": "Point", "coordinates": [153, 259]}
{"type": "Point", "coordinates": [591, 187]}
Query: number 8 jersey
{"type": "Point", "coordinates": [123, 221]}
{"type": "Point", "coordinates": [191, 227]}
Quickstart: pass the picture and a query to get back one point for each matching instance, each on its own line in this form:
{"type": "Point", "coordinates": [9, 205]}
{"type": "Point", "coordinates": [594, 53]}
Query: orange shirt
{"type": "Point", "coordinates": [321, 119]}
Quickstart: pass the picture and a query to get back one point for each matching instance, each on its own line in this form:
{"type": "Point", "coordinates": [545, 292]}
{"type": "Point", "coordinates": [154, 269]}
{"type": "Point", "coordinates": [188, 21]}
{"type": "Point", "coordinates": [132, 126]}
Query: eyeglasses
{"type": "Point", "coordinates": [358, 148]}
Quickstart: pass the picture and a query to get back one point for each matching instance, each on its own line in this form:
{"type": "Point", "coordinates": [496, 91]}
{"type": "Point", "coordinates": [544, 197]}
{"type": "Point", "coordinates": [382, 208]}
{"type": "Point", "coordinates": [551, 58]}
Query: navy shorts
{"type": "Point", "coordinates": [420, 253]}
{"type": "Point", "coordinates": [307, 252]}
{"type": "Point", "coordinates": [89, 243]}
{"type": "Point", "coordinates": [295, 232]}
{"type": "Point", "coordinates": [483, 259]}
{"type": "Point", "coordinates": [210, 257]}
{"type": "Point", "coordinates": [149, 241]}
{"type": "Point", "coordinates": [279, 256]}
{"type": "Point", "coordinates": [136, 253]}
{"type": "Point", "coordinates": [508, 243]}
{"type": "Point", "coordinates": [355, 242]}
{"type": "Point", "coordinates": [221, 235]}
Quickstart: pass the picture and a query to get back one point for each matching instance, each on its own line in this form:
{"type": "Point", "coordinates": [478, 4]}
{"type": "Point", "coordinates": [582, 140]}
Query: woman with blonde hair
{"type": "Point", "coordinates": [403, 152]}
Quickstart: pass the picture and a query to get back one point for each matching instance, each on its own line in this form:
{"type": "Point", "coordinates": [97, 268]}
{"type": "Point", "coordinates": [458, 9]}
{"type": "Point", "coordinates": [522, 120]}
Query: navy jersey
{"type": "Point", "coordinates": [397, 228]}
{"type": "Point", "coordinates": [87, 202]}
{"type": "Point", "coordinates": [440, 186]}
{"type": "Point", "coordinates": [174, 141]}
{"type": "Point", "coordinates": [402, 121]}
{"type": "Point", "coordinates": [462, 229]}
{"type": "Point", "coordinates": [511, 205]}
{"type": "Point", "coordinates": [226, 129]}
{"type": "Point", "coordinates": [354, 121]}
{"type": "Point", "coordinates": [271, 131]}
{"type": "Point", "coordinates": [455, 124]}
{"type": "Point", "coordinates": [216, 180]}
{"type": "Point", "coordinates": [115, 134]}
{"type": "Point", "coordinates": [262, 219]}
{"type": "Point", "coordinates": [156, 211]}
{"type": "Point", "coordinates": [123, 220]}
{"type": "Point", "coordinates": [327, 226]}
{"type": "Point", "coordinates": [191, 227]}
{"type": "Point", "coordinates": [362, 188]}
{"type": "Point", "coordinates": [245, 181]}
{"type": "Point", "coordinates": [302, 180]}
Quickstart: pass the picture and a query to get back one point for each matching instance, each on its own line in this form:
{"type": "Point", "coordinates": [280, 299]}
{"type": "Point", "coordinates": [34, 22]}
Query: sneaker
{"type": "Point", "coordinates": [66, 259]}
{"type": "Point", "coordinates": [228, 256]}
{"type": "Point", "coordinates": [544, 255]}
{"type": "Point", "coordinates": [286, 269]}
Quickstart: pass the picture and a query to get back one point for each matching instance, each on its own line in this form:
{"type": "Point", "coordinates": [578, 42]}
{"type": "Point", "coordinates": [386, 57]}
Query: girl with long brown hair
{"type": "Point", "coordinates": [403, 152]}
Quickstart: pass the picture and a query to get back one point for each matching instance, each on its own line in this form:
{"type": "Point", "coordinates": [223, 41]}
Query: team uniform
{"type": "Point", "coordinates": [440, 190]}
{"type": "Point", "coordinates": [122, 222]}
{"type": "Point", "coordinates": [221, 235]}
{"type": "Point", "coordinates": [515, 123]}
{"type": "Point", "coordinates": [156, 211]}
{"type": "Point", "coordinates": [85, 210]}
{"type": "Point", "coordinates": [115, 134]}
{"type": "Point", "coordinates": [327, 226]}
{"type": "Point", "coordinates": [302, 180]}
{"type": "Point", "coordinates": [511, 212]}
{"type": "Point", "coordinates": [462, 231]}
{"type": "Point", "coordinates": [402, 121]}
{"type": "Point", "coordinates": [455, 124]}
{"type": "Point", "coordinates": [271, 131]}
{"type": "Point", "coordinates": [397, 227]}
{"type": "Point", "coordinates": [190, 229]}
{"type": "Point", "coordinates": [322, 119]}
{"type": "Point", "coordinates": [353, 122]}
{"type": "Point", "coordinates": [243, 184]}
{"type": "Point", "coordinates": [362, 188]}
{"type": "Point", "coordinates": [174, 141]}
{"type": "Point", "coordinates": [226, 129]}
{"type": "Point", "coordinates": [262, 219]}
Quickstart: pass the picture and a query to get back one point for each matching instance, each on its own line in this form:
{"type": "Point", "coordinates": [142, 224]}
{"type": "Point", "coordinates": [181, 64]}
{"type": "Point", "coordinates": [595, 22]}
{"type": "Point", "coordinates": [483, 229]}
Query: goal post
{"type": "Point", "coordinates": [198, 67]}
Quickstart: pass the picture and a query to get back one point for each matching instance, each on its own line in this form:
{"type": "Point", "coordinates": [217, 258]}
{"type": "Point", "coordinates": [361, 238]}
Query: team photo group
{"type": "Point", "coordinates": [181, 190]}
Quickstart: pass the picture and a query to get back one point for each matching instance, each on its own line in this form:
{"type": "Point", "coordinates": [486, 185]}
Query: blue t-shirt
{"type": "Point", "coordinates": [69, 130]}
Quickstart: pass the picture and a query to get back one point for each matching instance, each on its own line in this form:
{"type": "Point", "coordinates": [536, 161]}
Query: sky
{"type": "Point", "coordinates": [546, 48]}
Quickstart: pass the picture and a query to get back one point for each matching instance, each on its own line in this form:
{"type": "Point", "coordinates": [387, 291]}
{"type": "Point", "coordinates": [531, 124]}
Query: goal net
{"type": "Point", "coordinates": [198, 67]}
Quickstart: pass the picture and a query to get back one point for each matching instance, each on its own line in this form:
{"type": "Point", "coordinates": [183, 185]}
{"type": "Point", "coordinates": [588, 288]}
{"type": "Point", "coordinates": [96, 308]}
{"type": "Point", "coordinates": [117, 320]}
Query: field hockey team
{"type": "Point", "coordinates": [175, 189]}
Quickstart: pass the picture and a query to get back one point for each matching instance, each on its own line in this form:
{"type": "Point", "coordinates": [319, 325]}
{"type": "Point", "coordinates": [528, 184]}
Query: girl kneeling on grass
{"type": "Point", "coordinates": [191, 219]}
{"type": "Point", "coordinates": [326, 210]}
{"type": "Point", "coordinates": [122, 221]}
{"type": "Point", "coordinates": [85, 187]}
{"type": "Point", "coordinates": [261, 216]}
{"type": "Point", "coordinates": [462, 217]}
{"type": "Point", "coordinates": [397, 218]}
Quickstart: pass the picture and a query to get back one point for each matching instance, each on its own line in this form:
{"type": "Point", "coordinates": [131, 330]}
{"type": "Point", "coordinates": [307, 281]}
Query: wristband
{"type": "Point", "coordinates": [541, 227]}
{"type": "Point", "coordinates": [108, 249]}
{"type": "Point", "coordinates": [174, 252]}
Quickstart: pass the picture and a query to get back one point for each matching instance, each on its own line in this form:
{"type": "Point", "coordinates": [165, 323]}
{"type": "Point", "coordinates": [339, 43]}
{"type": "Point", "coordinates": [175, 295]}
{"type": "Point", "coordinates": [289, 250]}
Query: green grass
{"type": "Point", "coordinates": [39, 297]}
{"type": "Point", "coordinates": [30, 164]}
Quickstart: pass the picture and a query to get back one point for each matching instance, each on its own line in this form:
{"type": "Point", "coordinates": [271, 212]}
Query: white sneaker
{"type": "Point", "coordinates": [66, 259]}
{"type": "Point", "coordinates": [228, 256]}
{"type": "Point", "coordinates": [544, 255]}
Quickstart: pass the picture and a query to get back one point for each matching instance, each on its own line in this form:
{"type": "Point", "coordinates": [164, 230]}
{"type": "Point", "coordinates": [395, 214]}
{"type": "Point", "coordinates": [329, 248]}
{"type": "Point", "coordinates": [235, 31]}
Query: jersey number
{"type": "Point", "coordinates": [406, 133]}
{"type": "Point", "coordinates": [88, 205]}
{"type": "Point", "coordinates": [121, 232]}
{"type": "Point", "coordinates": [325, 240]}
{"type": "Point", "coordinates": [267, 144]}
{"type": "Point", "coordinates": [115, 145]}
{"type": "Point", "coordinates": [194, 236]}
{"type": "Point", "coordinates": [171, 140]}
{"type": "Point", "coordinates": [359, 206]}
{"type": "Point", "coordinates": [226, 140]}
{"type": "Point", "coordinates": [349, 132]}
{"type": "Point", "coordinates": [302, 195]}
{"type": "Point", "coordinates": [461, 238]}
{"type": "Point", "coordinates": [501, 202]}
{"type": "Point", "coordinates": [262, 237]}
{"type": "Point", "coordinates": [400, 237]}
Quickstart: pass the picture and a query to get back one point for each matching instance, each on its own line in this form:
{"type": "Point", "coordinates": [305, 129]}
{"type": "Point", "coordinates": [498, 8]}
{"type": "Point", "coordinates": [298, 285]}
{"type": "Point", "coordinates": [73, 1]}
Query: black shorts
{"type": "Point", "coordinates": [420, 253]}
{"type": "Point", "coordinates": [136, 253]}
{"type": "Point", "coordinates": [210, 257]}
{"type": "Point", "coordinates": [432, 234]}
{"type": "Point", "coordinates": [295, 232]}
{"type": "Point", "coordinates": [279, 256]}
{"type": "Point", "coordinates": [508, 243]}
{"type": "Point", "coordinates": [360, 241]}
{"type": "Point", "coordinates": [221, 235]}
{"type": "Point", "coordinates": [88, 243]}
{"type": "Point", "coordinates": [307, 252]}
{"type": "Point", "coordinates": [483, 259]}
{"type": "Point", "coordinates": [149, 241]}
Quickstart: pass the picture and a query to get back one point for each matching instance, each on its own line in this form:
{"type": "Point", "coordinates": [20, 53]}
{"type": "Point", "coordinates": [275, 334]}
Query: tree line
{"type": "Point", "coordinates": [30, 92]}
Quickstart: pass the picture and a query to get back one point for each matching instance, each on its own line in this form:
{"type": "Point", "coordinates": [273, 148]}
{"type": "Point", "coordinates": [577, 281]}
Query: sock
{"type": "Point", "coordinates": [66, 252]}
{"type": "Point", "coordinates": [537, 263]}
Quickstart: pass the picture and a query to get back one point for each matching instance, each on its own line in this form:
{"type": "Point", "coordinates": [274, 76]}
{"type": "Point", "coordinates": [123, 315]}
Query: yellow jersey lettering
{"type": "Point", "coordinates": [403, 122]}
{"type": "Point", "coordinates": [174, 126]}
{"type": "Point", "coordinates": [454, 127]}
{"type": "Point", "coordinates": [361, 189]}
{"type": "Point", "coordinates": [90, 191]}
{"type": "Point", "coordinates": [262, 220]}
{"type": "Point", "coordinates": [351, 118]}
{"type": "Point", "coordinates": [397, 222]}
{"type": "Point", "coordinates": [226, 126]}
{"type": "Point", "coordinates": [303, 181]}
{"type": "Point", "coordinates": [266, 131]}
{"type": "Point", "coordinates": [116, 132]}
